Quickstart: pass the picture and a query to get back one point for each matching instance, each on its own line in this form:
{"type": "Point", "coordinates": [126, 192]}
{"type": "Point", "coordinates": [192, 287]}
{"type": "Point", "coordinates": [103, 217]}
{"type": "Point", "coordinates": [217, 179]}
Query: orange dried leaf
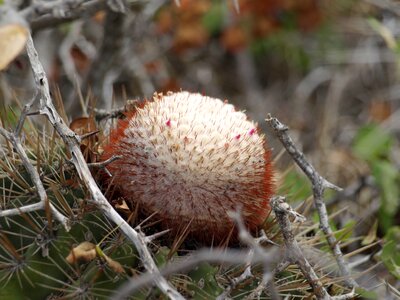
{"type": "Point", "coordinates": [12, 40]}
{"type": "Point", "coordinates": [123, 206]}
{"type": "Point", "coordinates": [165, 22]}
{"type": "Point", "coordinates": [379, 110]}
{"type": "Point", "coordinates": [114, 265]}
{"type": "Point", "coordinates": [85, 251]}
{"type": "Point", "coordinates": [100, 16]}
{"type": "Point", "coordinates": [80, 59]}
{"type": "Point", "coordinates": [234, 39]}
{"type": "Point", "coordinates": [83, 125]}
{"type": "Point", "coordinates": [190, 36]}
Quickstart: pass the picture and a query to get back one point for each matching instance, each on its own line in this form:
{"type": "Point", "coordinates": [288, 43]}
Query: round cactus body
{"type": "Point", "coordinates": [189, 158]}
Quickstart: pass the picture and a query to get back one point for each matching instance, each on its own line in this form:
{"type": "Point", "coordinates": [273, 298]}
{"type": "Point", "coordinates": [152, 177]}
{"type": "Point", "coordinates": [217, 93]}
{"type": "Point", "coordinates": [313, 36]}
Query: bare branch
{"type": "Point", "coordinates": [24, 113]}
{"type": "Point", "coordinates": [57, 12]}
{"type": "Point", "coordinates": [221, 256]}
{"type": "Point", "coordinates": [235, 282]}
{"type": "Point", "coordinates": [255, 247]}
{"type": "Point", "coordinates": [101, 114]}
{"type": "Point", "coordinates": [293, 252]}
{"type": "Point", "coordinates": [72, 142]}
{"type": "Point", "coordinates": [255, 255]}
{"type": "Point", "coordinates": [58, 7]}
{"type": "Point", "coordinates": [319, 184]}
{"type": "Point", "coordinates": [104, 70]}
{"type": "Point", "coordinates": [104, 163]}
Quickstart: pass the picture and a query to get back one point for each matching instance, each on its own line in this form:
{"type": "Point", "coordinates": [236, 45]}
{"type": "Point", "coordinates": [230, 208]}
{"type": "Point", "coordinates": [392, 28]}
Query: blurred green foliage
{"type": "Point", "coordinates": [213, 20]}
{"type": "Point", "coordinates": [295, 185]}
{"type": "Point", "coordinates": [374, 145]}
{"type": "Point", "coordinates": [391, 251]}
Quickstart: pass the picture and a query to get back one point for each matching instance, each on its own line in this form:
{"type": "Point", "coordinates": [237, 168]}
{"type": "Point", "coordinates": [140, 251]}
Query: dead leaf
{"type": "Point", "coordinates": [190, 35]}
{"type": "Point", "coordinates": [86, 126]}
{"type": "Point", "coordinates": [372, 235]}
{"type": "Point", "coordinates": [234, 39]}
{"type": "Point", "coordinates": [83, 125]}
{"type": "Point", "coordinates": [123, 206]}
{"type": "Point", "coordinates": [114, 265]}
{"type": "Point", "coordinates": [81, 60]}
{"type": "Point", "coordinates": [12, 40]}
{"type": "Point", "coordinates": [100, 16]}
{"type": "Point", "coordinates": [379, 110]}
{"type": "Point", "coordinates": [85, 251]}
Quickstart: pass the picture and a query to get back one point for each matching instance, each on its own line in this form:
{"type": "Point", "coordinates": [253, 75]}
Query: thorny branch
{"type": "Point", "coordinates": [103, 114]}
{"type": "Point", "coordinates": [222, 256]}
{"type": "Point", "coordinates": [58, 7]}
{"type": "Point", "coordinates": [255, 248]}
{"type": "Point", "coordinates": [46, 14]}
{"type": "Point", "coordinates": [252, 256]}
{"type": "Point", "coordinates": [293, 251]}
{"type": "Point", "coordinates": [319, 184]}
{"type": "Point", "coordinates": [236, 281]}
{"type": "Point", "coordinates": [72, 142]}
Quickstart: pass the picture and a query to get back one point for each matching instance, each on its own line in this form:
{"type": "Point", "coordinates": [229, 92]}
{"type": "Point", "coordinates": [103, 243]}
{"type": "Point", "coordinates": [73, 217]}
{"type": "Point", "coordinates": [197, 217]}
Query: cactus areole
{"type": "Point", "coordinates": [189, 158]}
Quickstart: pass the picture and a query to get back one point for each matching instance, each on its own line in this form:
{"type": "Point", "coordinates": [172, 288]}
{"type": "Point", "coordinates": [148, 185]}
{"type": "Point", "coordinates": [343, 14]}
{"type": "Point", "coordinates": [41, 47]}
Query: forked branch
{"type": "Point", "coordinates": [319, 184]}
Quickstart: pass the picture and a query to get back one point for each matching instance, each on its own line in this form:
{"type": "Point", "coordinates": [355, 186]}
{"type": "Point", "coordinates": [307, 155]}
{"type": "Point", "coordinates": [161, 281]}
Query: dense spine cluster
{"type": "Point", "coordinates": [190, 158]}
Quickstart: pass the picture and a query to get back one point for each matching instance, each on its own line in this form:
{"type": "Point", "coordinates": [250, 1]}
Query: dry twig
{"type": "Point", "coordinates": [47, 14]}
{"type": "Point", "coordinates": [106, 65]}
{"type": "Point", "coordinates": [292, 249]}
{"type": "Point", "coordinates": [72, 142]}
{"type": "Point", "coordinates": [294, 253]}
{"type": "Point", "coordinates": [255, 248]}
{"type": "Point", "coordinates": [221, 256]}
{"type": "Point", "coordinates": [254, 255]}
{"type": "Point", "coordinates": [103, 114]}
{"type": "Point", "coordinates": [319, 184]}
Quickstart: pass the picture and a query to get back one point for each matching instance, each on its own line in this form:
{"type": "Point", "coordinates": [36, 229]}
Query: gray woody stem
{"type": "Point", "coordinates": [295, 254]}
{"type": "Point", "coordinates": [319, 184]}
{"type": "Point", "coordinates": [293, 251]}
{"type": "Point", "coordinates": [72, 141]}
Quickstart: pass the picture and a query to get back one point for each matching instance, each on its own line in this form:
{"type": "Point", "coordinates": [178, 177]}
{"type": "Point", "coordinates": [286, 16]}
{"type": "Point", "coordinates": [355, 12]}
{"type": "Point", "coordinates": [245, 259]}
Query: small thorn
{"type": "Point", "coordinates": [168, 123]}
{"type": "Point", "coordinates": [332, 186]}
{"type": "Point", "coordinates": [152, 237]}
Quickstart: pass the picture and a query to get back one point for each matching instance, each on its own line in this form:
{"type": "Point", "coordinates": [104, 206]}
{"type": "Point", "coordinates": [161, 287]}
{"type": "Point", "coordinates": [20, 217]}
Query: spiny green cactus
{"type": "Point", "coordinates": [34, 247]}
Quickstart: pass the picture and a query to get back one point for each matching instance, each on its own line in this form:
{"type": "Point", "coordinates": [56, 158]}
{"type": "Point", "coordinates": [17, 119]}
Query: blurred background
{"type": "Point", "coordinates": [327, 69]}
